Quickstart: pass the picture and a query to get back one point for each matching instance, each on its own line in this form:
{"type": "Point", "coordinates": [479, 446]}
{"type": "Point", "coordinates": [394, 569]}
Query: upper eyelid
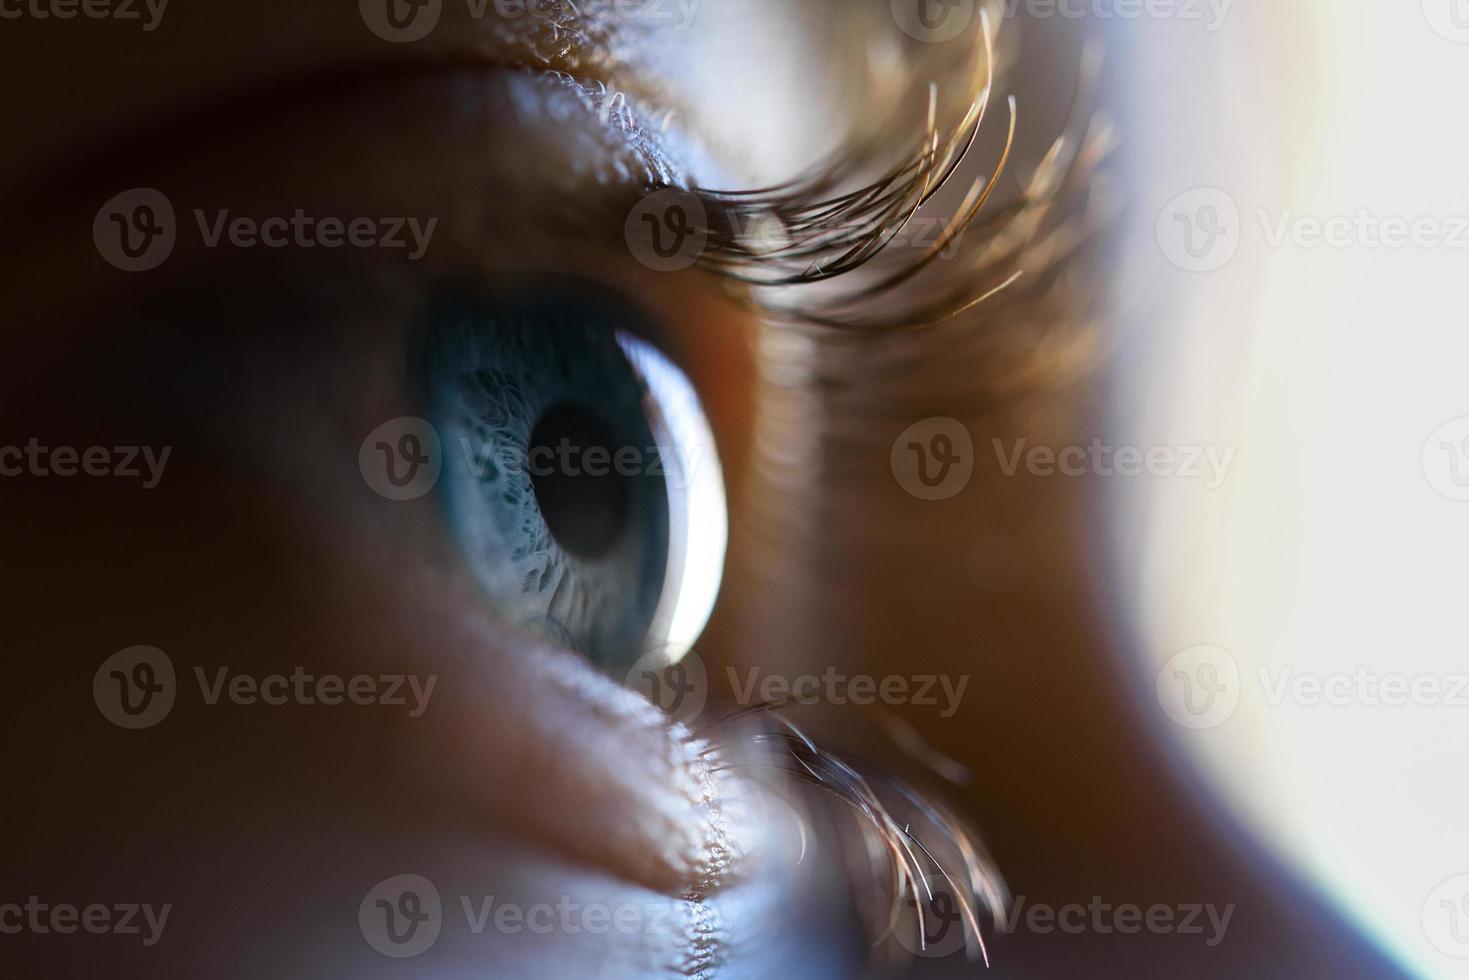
{"type": "Point", "coordinates": [149, 116]}
{"type": "Point", "coordinates": [144, 156]}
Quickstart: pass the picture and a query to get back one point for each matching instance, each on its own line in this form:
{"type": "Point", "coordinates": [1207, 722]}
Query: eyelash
{"type": "Point", "coordinates": [825, 236]}
{"type": "Point", "coordinates": [1036, 236]}
{"type": "Point", "coordinates": [885, 810]}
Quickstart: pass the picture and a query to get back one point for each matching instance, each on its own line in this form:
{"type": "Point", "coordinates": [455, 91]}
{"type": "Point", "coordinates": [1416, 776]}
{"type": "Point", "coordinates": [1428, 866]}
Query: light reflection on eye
{"type": "Point", "coordinates": [582, 481]}
{"type": "Point", "coordinates": [697, 513]}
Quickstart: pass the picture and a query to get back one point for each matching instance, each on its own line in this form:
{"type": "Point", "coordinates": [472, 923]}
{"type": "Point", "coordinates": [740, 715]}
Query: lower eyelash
{"type": "Point", "coordinates": [899, 861]}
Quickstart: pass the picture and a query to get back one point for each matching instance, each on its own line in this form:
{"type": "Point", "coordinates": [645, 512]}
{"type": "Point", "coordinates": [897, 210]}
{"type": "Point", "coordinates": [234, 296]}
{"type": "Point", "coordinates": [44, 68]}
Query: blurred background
{"type": "Point", "coordinates": [1290, 296]}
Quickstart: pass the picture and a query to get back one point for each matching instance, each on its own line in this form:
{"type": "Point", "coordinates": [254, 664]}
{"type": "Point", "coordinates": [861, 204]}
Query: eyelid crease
{"type": "Point", "coordinates": [93, 167]}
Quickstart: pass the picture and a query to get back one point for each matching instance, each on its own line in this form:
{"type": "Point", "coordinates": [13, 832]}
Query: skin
{"type": "Point", "coordinates": [533, 776]}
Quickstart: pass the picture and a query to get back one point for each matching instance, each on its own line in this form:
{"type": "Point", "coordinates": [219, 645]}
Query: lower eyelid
{"type": "Point", "coordinates": [611, 783]}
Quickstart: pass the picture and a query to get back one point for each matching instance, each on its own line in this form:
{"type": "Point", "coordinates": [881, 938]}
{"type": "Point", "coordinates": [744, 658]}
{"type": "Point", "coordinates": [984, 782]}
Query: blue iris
{"type": "Point", "coordinates": [553, 480]}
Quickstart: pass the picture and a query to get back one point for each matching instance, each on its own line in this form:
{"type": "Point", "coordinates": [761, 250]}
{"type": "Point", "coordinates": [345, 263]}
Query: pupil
{"type": "Point", "coordinates": [586, 512]}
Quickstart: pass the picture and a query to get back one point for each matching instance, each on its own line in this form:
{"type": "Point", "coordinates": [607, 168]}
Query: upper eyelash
{"type": "Point", "coordinates": [826, 235]}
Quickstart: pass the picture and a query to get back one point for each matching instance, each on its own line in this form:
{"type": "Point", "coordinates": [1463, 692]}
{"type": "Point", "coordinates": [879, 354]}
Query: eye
{"type": "Point", "coordinates": [581, 478]}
